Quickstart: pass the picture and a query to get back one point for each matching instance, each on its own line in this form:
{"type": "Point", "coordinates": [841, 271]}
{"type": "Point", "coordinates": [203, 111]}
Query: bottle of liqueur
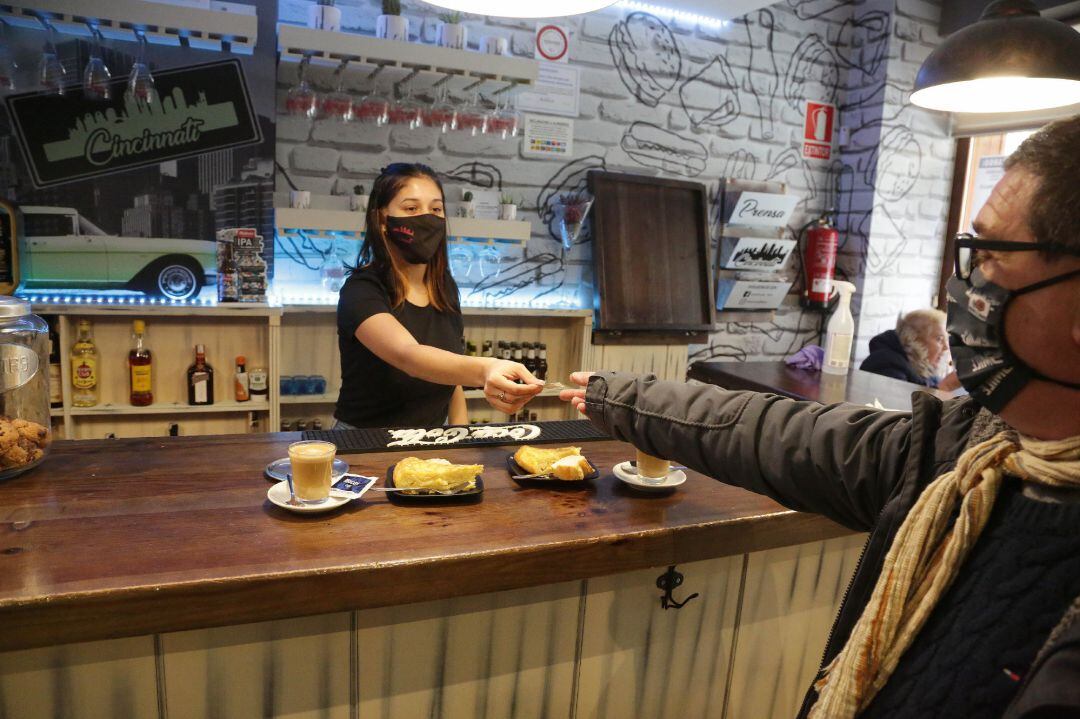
{"type": "Point", "coordinates": [530, 357]}
{"type": "Point", "coordinates": [240, 380]}
{"type": "Point", "coordinates": [542, 363]}
{"type": "Point", "coordinates": [56, 388]}
{"type": "Point", "coordinates": [200, 379]}
{"type": "Point", "coordinates": [487, 349]}
{"type": "Point", "coordinates": [84, 368]}
{"type": "Point", "coordinates": [140, 367]}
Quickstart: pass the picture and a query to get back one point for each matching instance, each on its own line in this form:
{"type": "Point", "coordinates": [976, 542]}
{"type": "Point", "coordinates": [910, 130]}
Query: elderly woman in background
{"type": "Point", "coordinates": [916, 351]}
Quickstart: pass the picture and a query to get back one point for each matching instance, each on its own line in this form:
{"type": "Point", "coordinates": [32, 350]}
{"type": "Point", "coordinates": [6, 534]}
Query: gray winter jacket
{"type": "Point", "coordinates": [861, 467]}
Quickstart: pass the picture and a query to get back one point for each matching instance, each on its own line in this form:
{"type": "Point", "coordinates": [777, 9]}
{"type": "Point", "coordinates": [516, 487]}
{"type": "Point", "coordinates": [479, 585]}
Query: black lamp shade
{"type": "Point", "coordinates": [1010, 60]}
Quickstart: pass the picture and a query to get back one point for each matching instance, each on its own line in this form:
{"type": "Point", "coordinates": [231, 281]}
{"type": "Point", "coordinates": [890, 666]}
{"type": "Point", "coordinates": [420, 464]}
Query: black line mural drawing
{"type": "Point", "coordinates": [650, 145]}
{"type": "Point", "coordinates": [899, 161]}
{"type": "Point", "coordinates": [715, 350]}
{"type": "Point", "coordinates": [571, 177]}
{"type": "Point", "coordinates": [741, 164]}
{"type": "Point", "coordinates": [520, 275]}
{"type": "Point", "coordinates": [812, 75]}
{"type": "Point", "coordinates": [810, 9]}
{"type": "Point", "coordinates": [481, 174]}
{"type": "Point", "coordinates": [861, 42]}
{"type": "Point", "coordinates": [716, 82]}
{"type": "Point", "coordinates": [763, 78]}
{"type": "Point", "coordinates": [646, 55]}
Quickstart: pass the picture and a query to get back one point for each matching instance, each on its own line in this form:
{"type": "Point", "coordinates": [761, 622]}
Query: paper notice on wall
{"type": "Point", "coordinates": [989, 171]}
{"type": "Point", "coordinates": [548, 137]}
{"type": "Point", "coordinates": [556, 91]}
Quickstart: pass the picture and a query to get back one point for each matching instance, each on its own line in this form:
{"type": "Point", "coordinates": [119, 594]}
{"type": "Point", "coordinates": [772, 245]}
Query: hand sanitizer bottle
{"type": "Point", "coordinates": [840, 333]}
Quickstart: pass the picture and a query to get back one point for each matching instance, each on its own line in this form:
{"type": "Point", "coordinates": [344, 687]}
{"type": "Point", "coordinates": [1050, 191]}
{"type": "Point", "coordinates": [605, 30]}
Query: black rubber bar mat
{"type": "Point", "coordinates": [353, 441]}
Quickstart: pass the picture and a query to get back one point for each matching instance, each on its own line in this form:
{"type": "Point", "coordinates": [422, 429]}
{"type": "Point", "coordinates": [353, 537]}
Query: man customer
{"type": "Point", "coordinates": [966, 602]}
{"type": "Point", "coordinates": [916, 351]}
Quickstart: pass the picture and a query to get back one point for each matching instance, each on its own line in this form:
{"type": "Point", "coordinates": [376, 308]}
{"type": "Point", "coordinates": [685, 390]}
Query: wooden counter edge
{"type": "Point", "coordinates": [81, 617]}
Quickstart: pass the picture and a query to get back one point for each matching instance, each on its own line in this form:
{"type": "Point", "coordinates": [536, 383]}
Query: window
{"type": "Point", "coordinates": [47, 225]}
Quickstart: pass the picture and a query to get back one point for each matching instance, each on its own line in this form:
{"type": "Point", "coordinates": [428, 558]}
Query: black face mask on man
{"type": "Point", "coordinates": [985, 364]}
{"type": "Point", "coordinates": [418, 237]}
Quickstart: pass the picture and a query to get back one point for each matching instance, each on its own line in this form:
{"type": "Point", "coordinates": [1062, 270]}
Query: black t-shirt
{"type": "Point", "coordinates": [373, 393]}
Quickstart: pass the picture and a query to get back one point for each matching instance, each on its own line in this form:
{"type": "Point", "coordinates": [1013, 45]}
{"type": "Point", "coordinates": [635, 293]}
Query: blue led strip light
{"type": "Point", "coordinates": [672, 13]}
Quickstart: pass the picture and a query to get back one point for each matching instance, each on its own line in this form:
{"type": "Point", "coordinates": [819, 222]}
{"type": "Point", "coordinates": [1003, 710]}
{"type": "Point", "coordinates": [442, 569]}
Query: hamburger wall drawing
{"type": "Point", "coordinates": [122, 197]}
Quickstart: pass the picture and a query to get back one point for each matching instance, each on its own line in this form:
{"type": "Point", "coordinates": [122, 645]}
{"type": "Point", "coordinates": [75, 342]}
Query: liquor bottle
{"type": "Point", "coordinates": [84, 368]}
{"type": "Point", "coordinates": [530, 357]}
{"type": "Point", "coordinates": [140, 367]}
{"type": "Point", "coordinates": [487, 349]}
{"type": "Point", "coordinates": [200, 379]}
{"type": "Point", "coordinates": [56, 388]}
{"type": "Point", "coordinates": [519, 356]}
{"type": "Point", "coordinates": [504, 350]}
{"type": "Point", "coordinates": [470, 349]}
{"type": "Point", "coordinates": [240, 380]}
{"type": "Point", "coordinates": [541, 364]}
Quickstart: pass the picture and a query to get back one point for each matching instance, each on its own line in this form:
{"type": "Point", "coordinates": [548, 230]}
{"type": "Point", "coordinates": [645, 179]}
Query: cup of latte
{"type": "Point", "coordinates": [311, 464]}
{"type": "Point", "coordinates": [652, 470]}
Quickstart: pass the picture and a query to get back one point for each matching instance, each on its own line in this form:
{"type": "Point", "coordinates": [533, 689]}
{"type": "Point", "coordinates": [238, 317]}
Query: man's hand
{"type": "Point", "coordinates": [576, 397]}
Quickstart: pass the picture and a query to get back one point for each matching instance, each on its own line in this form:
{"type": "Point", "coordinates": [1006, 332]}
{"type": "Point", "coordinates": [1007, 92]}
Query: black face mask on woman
{"type": "Point", "coordinates": [418, 237]}
{"type": "Point", "coordinates": [985, 364]}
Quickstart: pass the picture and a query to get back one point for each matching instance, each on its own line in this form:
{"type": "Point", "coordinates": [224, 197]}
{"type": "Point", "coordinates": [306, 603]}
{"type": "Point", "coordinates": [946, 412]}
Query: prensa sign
{"type": "Point", "coordinates": [192, 111]}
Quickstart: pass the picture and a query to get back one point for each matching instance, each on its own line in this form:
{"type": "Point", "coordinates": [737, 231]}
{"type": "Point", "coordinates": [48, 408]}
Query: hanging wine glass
{"type": "Point", "coordinates": [96, 76]}
{"type": "Point", "coordinates": [374, 108]}
{"type": "Point", "coordinates": [302, 100]}
{"type": "Point", "coordinates": [461, 262]}
{"type": "Point", "coordinates": [473, 118]}
{"type": "Point", "coordinates": [338, 105]}
{"type": "Point", "coordinates": [140, 81]}
{"type": "Point", "coordinates": [51, 73]}
{"type": "Point", "coordinates": [442, 113]}
{"type": "Point", "coordinates": [490, 261]}
{"type": "Point", "coordinates": [505, 120]}
{"type": "Point", "coordinates": [406, 111]}
{"type": "Point", "coordinates": [8, 66]}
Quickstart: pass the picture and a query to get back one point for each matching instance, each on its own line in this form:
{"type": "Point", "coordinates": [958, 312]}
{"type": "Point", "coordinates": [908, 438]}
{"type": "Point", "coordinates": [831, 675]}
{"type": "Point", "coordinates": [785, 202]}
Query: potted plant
{"type": "Point", "coordinates": [358, 201]}
{"type": "Point", "coordinates": [450, 32]}
{"type": "Point", "coordinates": [324, 16]}
{"type": "Point", "coordinates": [467, 207]}
{"type": "Point", "coordinates": [390, 25]}
{"type": "Point", "coordinates": [507, 208]}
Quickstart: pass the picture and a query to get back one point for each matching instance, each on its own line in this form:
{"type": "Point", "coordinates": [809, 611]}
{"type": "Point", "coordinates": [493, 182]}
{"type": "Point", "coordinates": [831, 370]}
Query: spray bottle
{"type": "Point", "coordinates": [840, 332]}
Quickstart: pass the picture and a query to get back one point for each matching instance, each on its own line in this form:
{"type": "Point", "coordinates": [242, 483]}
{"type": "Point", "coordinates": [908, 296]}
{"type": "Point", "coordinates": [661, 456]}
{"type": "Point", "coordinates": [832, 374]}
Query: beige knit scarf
{"type": "Point", "coordinates": [925, 557]}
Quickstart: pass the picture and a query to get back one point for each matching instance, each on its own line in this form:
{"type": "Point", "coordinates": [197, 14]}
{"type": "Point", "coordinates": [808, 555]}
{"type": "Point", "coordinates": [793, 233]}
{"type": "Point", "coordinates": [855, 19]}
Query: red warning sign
{"type": "Point", "coordinates": [818, 130]}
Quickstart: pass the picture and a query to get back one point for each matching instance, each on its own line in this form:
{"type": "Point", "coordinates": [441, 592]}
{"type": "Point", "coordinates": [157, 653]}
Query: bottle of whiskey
{"type": "Point", "coordinates": [487, 349]}
{"type": "Point", "coordinates": [140, 368]}
{"type": "Point", "coordinates": [530, 357]}
{"type": "Point", "coordinates": [241, 386]}
{"type": "Point", "coordinates": [200, 379]}
{"type": "Point", "coordinates": [56, 387]}
{"type": "Point", "coordinates": [84, 368]}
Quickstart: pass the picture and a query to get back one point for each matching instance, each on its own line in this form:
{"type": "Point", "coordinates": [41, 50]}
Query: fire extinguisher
{"type": "Point", "coordinates": [819, 262]}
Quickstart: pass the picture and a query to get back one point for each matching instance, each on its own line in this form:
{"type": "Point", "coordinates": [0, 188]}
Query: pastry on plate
{"type": "Point", "coordinates": [540, 460]}
{"type": "Point", "coordinates": [435, 474]}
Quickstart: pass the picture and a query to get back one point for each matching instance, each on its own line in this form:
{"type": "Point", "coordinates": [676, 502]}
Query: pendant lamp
{"type": "Point", "coordinates": [523, 8]}
{"type": "Point", "coordinates": [1011, 60]}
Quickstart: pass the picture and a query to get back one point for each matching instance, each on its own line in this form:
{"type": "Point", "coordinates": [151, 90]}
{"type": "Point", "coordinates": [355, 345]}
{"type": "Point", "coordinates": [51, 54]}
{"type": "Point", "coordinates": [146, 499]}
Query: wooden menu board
{"type": "Point", "coordinates": [651, 254]}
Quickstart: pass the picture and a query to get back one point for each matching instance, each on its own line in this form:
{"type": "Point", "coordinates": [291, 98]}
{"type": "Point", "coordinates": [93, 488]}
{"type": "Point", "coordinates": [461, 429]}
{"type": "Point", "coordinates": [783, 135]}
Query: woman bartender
{"type": "Point", "coordinates": [399, 320]}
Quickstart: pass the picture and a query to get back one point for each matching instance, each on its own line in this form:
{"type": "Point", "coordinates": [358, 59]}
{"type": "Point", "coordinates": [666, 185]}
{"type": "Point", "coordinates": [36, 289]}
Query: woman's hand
{"type": "Point", "coordinates": [502, 390]}
{"type": "Point", "coordinates": [576, 397]}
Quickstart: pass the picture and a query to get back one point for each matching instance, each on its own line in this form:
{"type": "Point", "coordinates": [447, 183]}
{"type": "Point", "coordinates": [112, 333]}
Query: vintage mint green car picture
{"type": "Point", "coordinates": [62, 249]}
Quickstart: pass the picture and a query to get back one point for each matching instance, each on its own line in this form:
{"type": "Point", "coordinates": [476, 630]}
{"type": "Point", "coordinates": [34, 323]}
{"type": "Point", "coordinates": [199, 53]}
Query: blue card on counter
{"type": "Point", "coordinates": [354, 484]}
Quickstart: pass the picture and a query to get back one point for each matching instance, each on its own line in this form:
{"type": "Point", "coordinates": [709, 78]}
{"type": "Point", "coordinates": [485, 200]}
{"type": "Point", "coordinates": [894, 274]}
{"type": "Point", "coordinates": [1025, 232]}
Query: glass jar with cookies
{"type": "Point", "coordinates": [24, 388]}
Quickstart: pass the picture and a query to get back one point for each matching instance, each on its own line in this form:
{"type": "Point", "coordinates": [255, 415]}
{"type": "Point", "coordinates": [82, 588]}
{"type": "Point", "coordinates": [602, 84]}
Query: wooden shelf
{"type": "Point", "coordinates": [309, 398]}
{"type": "Point", "coordinates": [318, 221]}
{"type": "Point", "coordinates": [170, 408]}
{"type": "Point", "coordinates": [231, 309]}
{"type": "Point", "coordinates": [225, 26]}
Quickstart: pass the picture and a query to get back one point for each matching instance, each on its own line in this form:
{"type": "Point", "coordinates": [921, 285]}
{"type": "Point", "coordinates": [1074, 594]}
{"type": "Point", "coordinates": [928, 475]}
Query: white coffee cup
{"type": "Point", "coordinates": [494, 45]}
{"type": "Point", "coordinates": [299, 199]}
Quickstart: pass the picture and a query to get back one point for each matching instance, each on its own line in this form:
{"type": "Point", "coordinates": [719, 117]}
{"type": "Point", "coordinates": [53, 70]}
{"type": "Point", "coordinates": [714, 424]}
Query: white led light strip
{"type": "Point", "coordinates": [672, 13]}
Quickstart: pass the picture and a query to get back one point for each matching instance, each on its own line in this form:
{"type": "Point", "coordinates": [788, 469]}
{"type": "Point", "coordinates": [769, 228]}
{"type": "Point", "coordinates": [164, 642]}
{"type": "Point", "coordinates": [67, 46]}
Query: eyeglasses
{"type": "Point", "coordinates": [966, 249]}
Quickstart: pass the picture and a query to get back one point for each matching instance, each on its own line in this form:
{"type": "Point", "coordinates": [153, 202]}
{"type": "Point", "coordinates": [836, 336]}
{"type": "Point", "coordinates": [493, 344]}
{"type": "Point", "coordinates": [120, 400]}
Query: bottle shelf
{"type": "Point", "coordinates": [222, 26]}
{"type": "Point", "coordinates": [327, 398]}
{"type": "Point", "coordinates": [170, 408]}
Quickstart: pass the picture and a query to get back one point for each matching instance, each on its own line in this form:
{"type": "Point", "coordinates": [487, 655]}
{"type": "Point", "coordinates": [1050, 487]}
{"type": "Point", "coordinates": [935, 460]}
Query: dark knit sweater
{"type": "Point", "coordinates": [1021, 576]}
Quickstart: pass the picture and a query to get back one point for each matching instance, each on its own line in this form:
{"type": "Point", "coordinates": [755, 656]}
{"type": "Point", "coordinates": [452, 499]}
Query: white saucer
{"type": "Point", "coordinates": [279, 495]}
{"type": "Point", "coordinates": [674, 478]}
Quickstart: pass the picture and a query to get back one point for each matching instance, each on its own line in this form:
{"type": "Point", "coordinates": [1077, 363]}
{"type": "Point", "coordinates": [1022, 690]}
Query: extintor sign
{"type": "Point", "coordinates": [818, 130]}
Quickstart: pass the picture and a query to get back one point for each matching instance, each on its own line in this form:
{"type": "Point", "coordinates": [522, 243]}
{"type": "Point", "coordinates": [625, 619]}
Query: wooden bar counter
{"type": "Point", "coordinates": [126, 537]}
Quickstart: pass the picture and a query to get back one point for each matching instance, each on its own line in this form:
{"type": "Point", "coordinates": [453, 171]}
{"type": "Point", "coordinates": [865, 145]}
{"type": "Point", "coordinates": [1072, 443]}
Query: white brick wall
{"type": "Point", "coordinates": [892, 239]}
